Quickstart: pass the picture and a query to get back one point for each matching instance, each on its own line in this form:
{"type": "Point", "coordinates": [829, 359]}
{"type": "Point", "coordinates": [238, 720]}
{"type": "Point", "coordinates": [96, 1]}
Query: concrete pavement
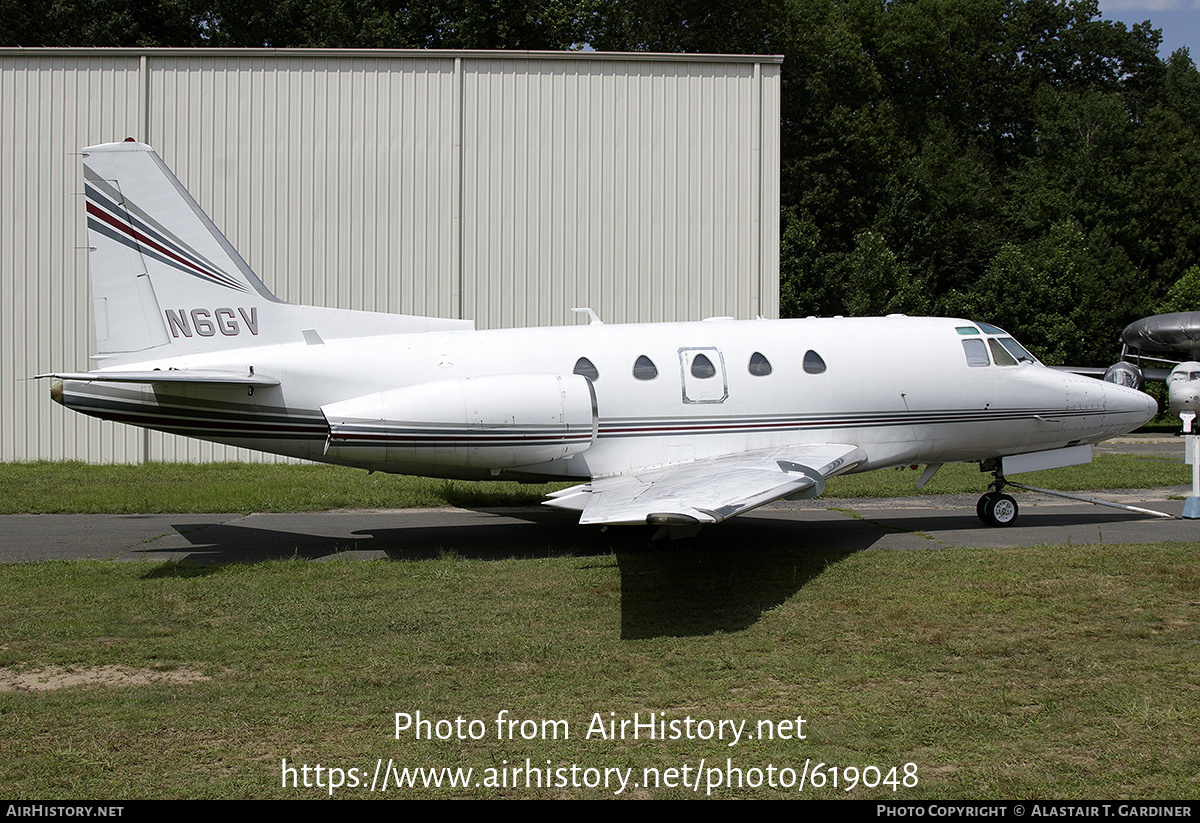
{"type": "Point", "coordinates": [911, 523]}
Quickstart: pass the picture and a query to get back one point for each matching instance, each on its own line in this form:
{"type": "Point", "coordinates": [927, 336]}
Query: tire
{"type": "Point", "coordinates": [981, 507]}
{"type": "Point", "coordinates": [999, 510]}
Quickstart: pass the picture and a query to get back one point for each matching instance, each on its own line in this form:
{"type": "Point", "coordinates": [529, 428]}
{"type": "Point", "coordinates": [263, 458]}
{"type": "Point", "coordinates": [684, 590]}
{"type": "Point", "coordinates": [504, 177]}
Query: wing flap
{"type": "Point", "coordinates": [708, 491]}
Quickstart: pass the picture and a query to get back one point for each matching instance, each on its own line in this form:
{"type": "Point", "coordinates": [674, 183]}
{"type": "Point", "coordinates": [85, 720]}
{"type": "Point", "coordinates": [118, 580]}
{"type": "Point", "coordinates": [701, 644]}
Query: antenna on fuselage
{"type": "Point", "coordinates": [594, 319]}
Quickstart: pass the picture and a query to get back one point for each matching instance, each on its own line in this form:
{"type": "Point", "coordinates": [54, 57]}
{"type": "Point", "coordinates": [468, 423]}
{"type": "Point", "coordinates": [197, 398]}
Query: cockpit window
{"type": "Point", "coordinates": [1005, 350]}
{"type": "Point", "coordinates": [1018, 351]}
{"type": "Point", "coordinates": [644, 368]}
{"type": "Point", "coordinates": [585, 368]}
{"type": "Point", "coordinates": [966, 330]}
{"type": "Point", "coordinates": [1000, 354]}
{"type": "Point", "coordinates": [976, 353]}
{"type": "Point", "coordinates": [760, 366]}
{"type": "Point", "coordinates": [813, 364]}
{"type": "Point", "coordinates": [702, 367]}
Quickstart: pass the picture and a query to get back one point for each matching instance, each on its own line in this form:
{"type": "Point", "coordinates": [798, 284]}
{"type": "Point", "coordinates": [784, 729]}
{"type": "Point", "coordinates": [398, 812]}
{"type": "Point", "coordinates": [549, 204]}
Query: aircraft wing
{"type": "Point", "coordinates": [708, 491]}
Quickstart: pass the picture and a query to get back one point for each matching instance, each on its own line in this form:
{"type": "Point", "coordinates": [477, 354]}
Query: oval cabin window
{"type": "Point", "coordinates": [585, 368]}
{"type": "Point", "coordinates": [703, 368]}
{"type": "Point", "coordinates": [813, 364]}
{"type": "Point", "coordinates": [760, 366]}
{"type": "Point", "coordinates": [644, 368]}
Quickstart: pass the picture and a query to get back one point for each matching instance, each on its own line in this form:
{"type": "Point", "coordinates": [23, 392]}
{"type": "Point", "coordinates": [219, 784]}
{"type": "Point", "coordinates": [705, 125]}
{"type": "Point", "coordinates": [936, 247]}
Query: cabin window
{"type": "Point", "coordinates": [703, 368]}
{"type": "Point", "coordinates": [1002, 357]}
{"type": "Point", "coordinates": [760, 366]}
{"type": "Point", "coordinates": [584, 368]}
{"type": "Point", "coordinates": [644, 368]}
{"type": "Point", "coordinates": [813, 364]}
{"type": "Point", "coordinates": [976, 353]}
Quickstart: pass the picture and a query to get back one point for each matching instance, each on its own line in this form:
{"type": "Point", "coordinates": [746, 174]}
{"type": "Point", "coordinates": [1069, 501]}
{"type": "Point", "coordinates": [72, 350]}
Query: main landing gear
{"type": "Point", "coordinates": [996, 508]}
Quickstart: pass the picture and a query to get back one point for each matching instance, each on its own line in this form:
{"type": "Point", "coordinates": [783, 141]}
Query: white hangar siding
{"type": "Point", "coordinates": [502, 187]}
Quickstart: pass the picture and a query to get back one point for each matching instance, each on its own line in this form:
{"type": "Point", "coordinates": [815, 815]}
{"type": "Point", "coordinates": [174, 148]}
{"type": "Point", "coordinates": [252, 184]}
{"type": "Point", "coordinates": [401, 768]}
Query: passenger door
{"type": "Point", "coordinates": [702, 371]}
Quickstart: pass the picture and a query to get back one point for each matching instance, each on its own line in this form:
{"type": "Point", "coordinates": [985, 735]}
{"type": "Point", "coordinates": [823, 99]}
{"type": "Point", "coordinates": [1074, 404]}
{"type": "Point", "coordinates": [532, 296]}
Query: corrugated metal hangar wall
{"type": "Point", "coordinates": [502, 187]}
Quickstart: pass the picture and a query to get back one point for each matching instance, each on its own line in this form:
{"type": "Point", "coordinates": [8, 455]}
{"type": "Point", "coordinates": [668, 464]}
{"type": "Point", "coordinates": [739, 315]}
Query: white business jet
{"type": "Point", "coordinates": [668, 424]}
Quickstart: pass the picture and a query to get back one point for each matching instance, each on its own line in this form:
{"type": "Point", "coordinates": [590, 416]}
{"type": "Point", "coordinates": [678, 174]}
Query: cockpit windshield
{"type": "Point", "coordinates": [1005, 350]}
{"type": "Point", "coordinates": [1018, 351]}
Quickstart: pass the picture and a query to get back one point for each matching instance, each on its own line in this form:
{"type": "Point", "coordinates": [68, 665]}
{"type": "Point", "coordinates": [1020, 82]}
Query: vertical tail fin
{"type": "Point", "coordinates": [165, 281]}
{"type": "Point", "coordinates": [161, 271]}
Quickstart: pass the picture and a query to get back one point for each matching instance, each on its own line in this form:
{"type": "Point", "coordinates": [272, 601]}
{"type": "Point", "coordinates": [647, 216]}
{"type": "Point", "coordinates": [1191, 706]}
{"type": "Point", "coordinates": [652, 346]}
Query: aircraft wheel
{"type": "Point", "coordinates": [998, 509]}
{"type": "Point", "coordinates": [981, 506]}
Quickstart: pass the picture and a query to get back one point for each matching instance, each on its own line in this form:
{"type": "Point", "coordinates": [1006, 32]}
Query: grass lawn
{"type": "Point", "coordinates": [1033, 672]}
{"type": "Point", "coordinates": [1064, 672]}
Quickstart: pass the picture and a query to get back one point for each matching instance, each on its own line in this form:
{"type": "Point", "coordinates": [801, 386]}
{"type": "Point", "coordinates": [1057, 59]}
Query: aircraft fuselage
{"type": "Point", "coordinates": [901, 388]}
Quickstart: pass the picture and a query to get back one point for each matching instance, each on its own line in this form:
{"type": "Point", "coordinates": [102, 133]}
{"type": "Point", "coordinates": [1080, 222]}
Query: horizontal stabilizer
{"type": "Point", "coordinates": [209, 376]}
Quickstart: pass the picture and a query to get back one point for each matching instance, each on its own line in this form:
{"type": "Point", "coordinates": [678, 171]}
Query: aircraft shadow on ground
{"type": "Point", "coordinates": [727, 579]}
{"type": "Point", "coordinates": [722, 580]}
{"type": "Point", "coordinates": [538, 533]}
{"type": "Point", "coordinates": [944, 526]}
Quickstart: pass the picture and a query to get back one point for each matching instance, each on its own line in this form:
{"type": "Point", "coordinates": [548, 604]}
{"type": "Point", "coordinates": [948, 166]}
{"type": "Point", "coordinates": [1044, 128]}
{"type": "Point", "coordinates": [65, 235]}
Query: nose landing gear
{"type": "Point", "coordinates": [996, 508]}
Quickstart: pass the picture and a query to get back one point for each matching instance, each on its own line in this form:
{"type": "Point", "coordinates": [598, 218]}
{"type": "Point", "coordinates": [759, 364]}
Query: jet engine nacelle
{"type": "Point", "coordinates": [1125, 374]}
{"type": "Point", "coordinates": [1183, 387]}
{"type": "Point", "coordinates": [492, 422]}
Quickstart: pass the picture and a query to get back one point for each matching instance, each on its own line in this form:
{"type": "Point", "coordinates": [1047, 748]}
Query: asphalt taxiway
{"type": "Point", "coordinates": [912, 523]}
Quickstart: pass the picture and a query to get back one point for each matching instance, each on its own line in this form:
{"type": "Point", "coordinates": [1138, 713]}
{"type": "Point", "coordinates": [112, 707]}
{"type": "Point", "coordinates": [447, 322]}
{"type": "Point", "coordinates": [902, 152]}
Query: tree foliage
{"type": "Point", "coordinates": [1024, 162]}
{"type": "Point", "coordinates": [1184, 295]}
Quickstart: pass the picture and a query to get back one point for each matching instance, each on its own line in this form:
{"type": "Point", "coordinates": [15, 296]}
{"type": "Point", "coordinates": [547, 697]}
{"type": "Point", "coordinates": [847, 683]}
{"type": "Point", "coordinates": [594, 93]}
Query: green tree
{"type": "Point", "coordinates": [875, 282]}
{"type": "Point", "coordinates": [1031, 299]}
{"type": "Point", "coordinates": [1024, 161]}
{"type": "Point", "coordinates": [1184, 295]}
{"type": "Point", "coordinates": [452, 24]}
{"type": "Point", "coordinates": [689, 26]}
{"type": "Point", "coordinates": [144, 23]}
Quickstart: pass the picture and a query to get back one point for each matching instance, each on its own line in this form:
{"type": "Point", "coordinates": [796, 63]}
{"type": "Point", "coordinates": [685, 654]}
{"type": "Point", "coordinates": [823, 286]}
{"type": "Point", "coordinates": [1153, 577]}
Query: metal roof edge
{"type": "Point", "coordinates": [480, 54]}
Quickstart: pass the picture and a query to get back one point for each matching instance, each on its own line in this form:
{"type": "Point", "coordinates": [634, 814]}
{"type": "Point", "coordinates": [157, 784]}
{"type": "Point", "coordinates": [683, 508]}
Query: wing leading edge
{"type": "Point", "coordinates": [707, 491]}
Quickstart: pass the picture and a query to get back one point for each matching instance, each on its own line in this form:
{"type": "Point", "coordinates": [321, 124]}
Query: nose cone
{"type": "Point", "coordinates": [1184, 396]}
{"type": "Point", "coordinates": [1128, 408]}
